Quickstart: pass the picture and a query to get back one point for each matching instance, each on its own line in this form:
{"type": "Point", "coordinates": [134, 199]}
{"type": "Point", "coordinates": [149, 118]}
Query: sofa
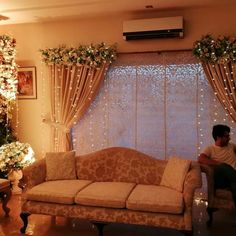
{"type": "Point", "coordinates": [113, 185]}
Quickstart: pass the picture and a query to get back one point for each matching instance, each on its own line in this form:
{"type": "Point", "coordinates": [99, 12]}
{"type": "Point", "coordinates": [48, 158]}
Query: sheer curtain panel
{"type": "Point", "coordinates": [158, 103]}
{"type": "Point", "coordinates": [73, 88]}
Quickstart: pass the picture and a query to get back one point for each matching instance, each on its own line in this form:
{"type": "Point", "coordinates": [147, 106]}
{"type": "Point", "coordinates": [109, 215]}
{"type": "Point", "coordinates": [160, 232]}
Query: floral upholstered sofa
{"type": "Point", "coordinates": [112, 185]}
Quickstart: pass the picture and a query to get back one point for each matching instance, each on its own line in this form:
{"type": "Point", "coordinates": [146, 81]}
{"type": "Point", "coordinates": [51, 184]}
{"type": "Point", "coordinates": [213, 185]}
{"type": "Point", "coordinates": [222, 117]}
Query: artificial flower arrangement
{"type": "Point", "coordinates": [219, 50]}
{"type": "Point", "coordinates": [92, 55]}
{"type": "Point", "coordinates": [15, 156]}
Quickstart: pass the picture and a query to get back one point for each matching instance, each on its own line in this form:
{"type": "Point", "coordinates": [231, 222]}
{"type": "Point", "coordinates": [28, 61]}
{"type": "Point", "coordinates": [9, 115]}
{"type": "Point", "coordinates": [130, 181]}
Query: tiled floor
{"type": "Point", "coordinates": [224, 224]}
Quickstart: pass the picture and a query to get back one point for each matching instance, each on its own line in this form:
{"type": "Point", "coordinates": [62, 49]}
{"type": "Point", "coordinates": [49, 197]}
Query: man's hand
{"type": "Point", "coordinates": [204, 159]}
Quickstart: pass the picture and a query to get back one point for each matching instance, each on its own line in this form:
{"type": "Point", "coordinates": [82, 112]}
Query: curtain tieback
{"type": "Point", "coordinates": [57, 125]}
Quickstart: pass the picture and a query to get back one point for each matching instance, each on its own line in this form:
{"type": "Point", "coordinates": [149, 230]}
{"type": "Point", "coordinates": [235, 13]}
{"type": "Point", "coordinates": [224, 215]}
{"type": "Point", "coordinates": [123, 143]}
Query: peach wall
{"type": "Point", "coordinates": [31, 37]}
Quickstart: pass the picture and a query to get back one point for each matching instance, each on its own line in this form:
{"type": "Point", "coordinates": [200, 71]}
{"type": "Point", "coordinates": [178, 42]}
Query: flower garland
{"type": "Point", "coordinates": [8, 68]}
{"type": "Point", "coordinates": [220, 50]}
{"type": "Point", "coordinates": [92, 55]}
{"type": "Point", "coordinates": [8, 86]}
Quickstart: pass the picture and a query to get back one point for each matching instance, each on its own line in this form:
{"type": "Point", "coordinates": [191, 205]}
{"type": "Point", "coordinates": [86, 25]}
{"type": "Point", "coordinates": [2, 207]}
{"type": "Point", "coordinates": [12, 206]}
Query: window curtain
{"type": "Point", "coordinates": [73, 88]}
{"type": "Point", "coordinates": [222, 78]}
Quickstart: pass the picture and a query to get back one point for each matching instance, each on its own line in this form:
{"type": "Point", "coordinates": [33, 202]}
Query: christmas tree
{"type": "Point", "coordinates": [8, 88]}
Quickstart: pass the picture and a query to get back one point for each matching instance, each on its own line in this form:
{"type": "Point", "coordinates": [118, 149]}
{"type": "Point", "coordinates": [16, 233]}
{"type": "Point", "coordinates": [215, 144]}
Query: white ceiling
{"type": "Point", "coordinates": [27, 11]}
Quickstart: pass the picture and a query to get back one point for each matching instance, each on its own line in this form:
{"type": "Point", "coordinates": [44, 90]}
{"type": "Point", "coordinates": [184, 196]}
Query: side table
{"type": "Point", "coordinates": [5, 194]}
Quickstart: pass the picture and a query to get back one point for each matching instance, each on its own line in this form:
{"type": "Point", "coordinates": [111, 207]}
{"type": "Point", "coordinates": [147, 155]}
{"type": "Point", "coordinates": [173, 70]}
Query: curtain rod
{"type": "Point", "coordinates": [156, 51]}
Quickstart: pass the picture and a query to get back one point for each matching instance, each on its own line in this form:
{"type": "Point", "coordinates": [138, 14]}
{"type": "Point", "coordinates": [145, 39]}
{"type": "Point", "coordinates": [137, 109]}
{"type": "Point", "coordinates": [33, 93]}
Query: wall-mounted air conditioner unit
{"type": "Point", "coordinates": [167, 27]}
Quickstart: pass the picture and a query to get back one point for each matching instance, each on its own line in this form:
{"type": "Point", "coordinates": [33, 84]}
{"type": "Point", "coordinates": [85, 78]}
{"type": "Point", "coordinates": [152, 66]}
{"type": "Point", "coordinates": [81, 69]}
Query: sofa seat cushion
{"type": "Point", "coordinates": [155, 198]}
{"type": "Point", "coordinates": [105, 194]}
{"type": "Point", "coordinates": [59, 191]}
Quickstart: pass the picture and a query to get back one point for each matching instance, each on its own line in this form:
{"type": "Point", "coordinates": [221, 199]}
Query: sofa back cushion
{"type": "Point", "coordinates": [137, 167]}
{"type": "Point", "coordinates": [60, 166]}
{"type": "Point", "coordinates": [175, 173]}
{"type": "Point", "coordinates": [97, 166]}
{"type": "Point", "coordinates": [121, 165]}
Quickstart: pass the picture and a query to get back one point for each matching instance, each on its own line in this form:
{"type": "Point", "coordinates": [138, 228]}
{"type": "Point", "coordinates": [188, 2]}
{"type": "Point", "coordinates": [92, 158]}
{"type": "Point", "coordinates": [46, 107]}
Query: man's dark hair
{"type": "Point", "coordinates": [219, 131]}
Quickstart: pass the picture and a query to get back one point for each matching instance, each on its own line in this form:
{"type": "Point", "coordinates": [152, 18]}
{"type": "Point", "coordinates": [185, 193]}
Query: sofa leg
{"type": "Point", "coordinates": [24, 216]}
{"type": "Point", "coordinates": [5, 200]}
{"type": "Point", "coordinates": [99, 227]}
{"type": "Point", "coordinates": [210, 214]}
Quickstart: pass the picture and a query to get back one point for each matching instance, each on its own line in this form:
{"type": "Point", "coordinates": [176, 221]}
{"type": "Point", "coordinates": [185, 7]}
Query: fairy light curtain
{"type": "Point", "coordinates": [76, 75]}
{"type": "Point", "coordinates": [158, 103]}
{"type": "Point", "coordinates": [218, 57]}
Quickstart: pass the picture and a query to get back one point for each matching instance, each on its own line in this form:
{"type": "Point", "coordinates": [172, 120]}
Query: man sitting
{"type": "Point", "coordinates": [222, 156]}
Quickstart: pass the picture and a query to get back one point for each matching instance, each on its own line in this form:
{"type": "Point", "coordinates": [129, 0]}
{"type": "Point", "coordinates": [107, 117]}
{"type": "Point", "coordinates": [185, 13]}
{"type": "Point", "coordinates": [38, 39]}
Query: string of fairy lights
{"type": "Point", "coordinates": [43, 109]}
{"type": "Point", "coordinates": [214, 108]}
{"type": "Point", "coordinates": [219, 114]}
{"type": "Point", "coordinates": [105, 112]}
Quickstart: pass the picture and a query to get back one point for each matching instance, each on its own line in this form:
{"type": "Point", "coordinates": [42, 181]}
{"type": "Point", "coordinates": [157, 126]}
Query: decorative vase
{"type": "Point", "coordinates": [14, 176]}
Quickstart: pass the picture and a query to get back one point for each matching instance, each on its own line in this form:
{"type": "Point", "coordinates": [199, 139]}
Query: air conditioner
{"type": "Point", "coordinates": [167, 27]}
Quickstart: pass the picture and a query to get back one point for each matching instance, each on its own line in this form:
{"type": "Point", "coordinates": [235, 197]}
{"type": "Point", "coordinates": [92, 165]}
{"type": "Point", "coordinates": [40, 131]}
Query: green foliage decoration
{"type": "Point", "coordinates": [220, 50]}
{"type": "Point", "coordinates": [91, 55]}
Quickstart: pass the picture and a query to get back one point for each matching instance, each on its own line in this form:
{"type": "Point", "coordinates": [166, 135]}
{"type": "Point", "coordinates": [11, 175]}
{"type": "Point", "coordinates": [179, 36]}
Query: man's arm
{"type": "Point", "coordinates": [204, 159]}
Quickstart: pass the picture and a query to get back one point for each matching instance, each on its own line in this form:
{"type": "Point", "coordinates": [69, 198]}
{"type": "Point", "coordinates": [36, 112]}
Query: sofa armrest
{"type": "Point", "coordinates": [192, 181]}
{"type": "Point", "coordinates": [209, 171]}
{"type": "Point", "coordinates": [34, 174]}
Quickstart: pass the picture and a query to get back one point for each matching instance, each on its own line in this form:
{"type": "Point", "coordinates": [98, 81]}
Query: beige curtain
{"type": "Point", "coordinates": [72, 90]}
{"type": "Point", "coordinates": [222, 78]}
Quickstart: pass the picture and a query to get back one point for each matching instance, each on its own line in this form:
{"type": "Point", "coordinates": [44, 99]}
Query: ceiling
{"type": "Point", "coordinates": [28, 11]}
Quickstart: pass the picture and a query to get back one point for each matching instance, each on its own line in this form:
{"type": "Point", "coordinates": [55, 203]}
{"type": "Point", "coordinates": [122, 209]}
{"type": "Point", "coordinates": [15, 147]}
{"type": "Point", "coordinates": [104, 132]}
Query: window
{"type": "Point", "coordinates": [158, 103]}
